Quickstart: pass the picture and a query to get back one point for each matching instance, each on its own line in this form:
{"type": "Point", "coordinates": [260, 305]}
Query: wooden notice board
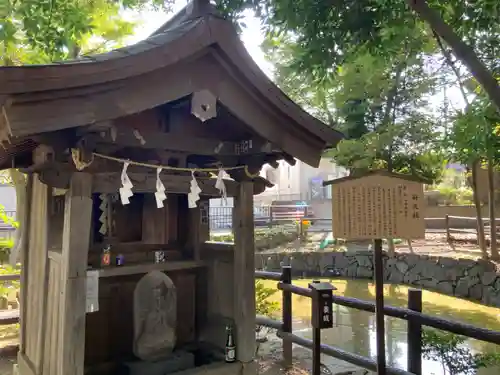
{"type": "Point", "coordinates": [377, 206]}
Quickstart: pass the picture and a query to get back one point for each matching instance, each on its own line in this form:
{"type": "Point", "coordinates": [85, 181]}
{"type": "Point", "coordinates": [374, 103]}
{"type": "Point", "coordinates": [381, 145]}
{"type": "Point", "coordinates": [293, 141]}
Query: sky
{"type": "Point", "coordinates": [252, 36]}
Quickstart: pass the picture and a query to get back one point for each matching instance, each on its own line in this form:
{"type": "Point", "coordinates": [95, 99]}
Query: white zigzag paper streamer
{"type": "Point", "coordinates": [219, 185]}
{"type": "Point", "coordinates": [160, 190]}
{"type": "Point", "coordinates": [103, 219]}
{"type": "Point", "coordinates": [126, 189]}
{"type": "Point", "coordinates": [194, 192]}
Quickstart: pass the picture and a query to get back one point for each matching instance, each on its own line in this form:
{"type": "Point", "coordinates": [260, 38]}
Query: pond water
{"type": "Point", "coordinates": [354, 330]}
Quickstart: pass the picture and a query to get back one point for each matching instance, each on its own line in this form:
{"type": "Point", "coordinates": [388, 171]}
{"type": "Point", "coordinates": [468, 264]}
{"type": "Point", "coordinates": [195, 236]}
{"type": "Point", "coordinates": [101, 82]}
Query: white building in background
{"type": "Point", "coordinates": [299, 182]}
{"type": "Point", "coordinates": [302, 182]}
{"type": "Point", "coordinates": [8, 197]}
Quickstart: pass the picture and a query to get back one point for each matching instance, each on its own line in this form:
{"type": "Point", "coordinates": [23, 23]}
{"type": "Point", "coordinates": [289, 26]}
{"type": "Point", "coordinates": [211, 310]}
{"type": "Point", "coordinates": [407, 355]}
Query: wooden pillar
{"type": "Point", "coordinates": [26, 220]}
{"type": "Point", "coordinates": [244, 273]}
{"type": "Point", "coordinates": [75, 247]}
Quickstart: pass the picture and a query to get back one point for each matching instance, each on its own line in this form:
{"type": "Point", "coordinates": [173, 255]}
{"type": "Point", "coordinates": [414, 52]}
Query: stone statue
{"type": "Point", "coordinates": [155, 316]}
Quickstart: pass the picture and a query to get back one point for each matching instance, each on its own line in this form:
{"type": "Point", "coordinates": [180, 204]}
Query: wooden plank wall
{"type": "Point", "coordinates": [110, 331]}
{"type": "Point", "coordinates": [220, 259]}
{"type": "Point", "coordinates": [159, 225]}
{"type": "Point", "coordinates": [219, 299]}
{"type": "Point", "coordinates": [53, 316]}
{"type": "Point", "coordinates": [35, 288]}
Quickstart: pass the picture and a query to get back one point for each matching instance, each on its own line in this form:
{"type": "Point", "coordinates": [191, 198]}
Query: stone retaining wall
{"type": "Point", "coordinates": [476, 280]}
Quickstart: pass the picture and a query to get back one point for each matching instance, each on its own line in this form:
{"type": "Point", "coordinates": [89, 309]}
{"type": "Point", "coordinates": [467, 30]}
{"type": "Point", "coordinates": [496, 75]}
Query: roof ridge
{"type": "Point", "coordinates": [192, 10]}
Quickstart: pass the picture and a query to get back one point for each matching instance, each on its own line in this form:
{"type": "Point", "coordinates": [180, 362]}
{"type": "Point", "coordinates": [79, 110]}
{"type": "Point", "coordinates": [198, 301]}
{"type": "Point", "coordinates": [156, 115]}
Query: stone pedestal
{"type": "Point", "coordinates": [177, 361]}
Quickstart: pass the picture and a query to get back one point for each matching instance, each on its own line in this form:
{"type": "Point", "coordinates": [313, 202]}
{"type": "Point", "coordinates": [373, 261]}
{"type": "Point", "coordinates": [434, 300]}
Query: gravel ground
{"type": "Point", "coordinates": [463, 246]}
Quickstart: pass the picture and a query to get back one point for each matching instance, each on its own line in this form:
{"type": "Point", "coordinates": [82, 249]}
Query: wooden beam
{"type": "Point", "coordinates": [35, 288]}
{"type": "Point", "coordinates": [178, 142]}
{"type": "Point", "coordinates": [146, 182]}
{"type": "Point", "coordinates": [244, 270]}
{"type": "Point", "coordinates": [58, 175]}
{"type": "Point", "coordinates": [76, 242]}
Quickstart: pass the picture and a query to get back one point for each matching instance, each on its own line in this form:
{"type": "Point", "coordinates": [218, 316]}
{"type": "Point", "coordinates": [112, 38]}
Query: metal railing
{"type": "Point", "coordinates": [222, 217]}
{"type": "Point", "coordinates": [7, 230]}
{"type": "Point", "coordinates": [412, 314]}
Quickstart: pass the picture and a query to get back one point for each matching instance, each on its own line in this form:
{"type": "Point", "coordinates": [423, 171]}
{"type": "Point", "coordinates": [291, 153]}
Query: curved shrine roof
{"type": "Point", "coordinates": [188, 35]}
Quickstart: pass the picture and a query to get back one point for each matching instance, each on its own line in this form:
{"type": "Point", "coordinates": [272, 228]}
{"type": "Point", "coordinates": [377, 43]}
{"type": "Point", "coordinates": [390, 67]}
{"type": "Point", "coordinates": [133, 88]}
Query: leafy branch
{"type": "Point", "coordinates": [450, 350]}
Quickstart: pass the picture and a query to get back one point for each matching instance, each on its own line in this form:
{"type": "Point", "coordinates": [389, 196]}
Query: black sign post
{"type": "Point", "coordinates": [321, 317]}
{"type": "Point", "coordinates": [379, 307]}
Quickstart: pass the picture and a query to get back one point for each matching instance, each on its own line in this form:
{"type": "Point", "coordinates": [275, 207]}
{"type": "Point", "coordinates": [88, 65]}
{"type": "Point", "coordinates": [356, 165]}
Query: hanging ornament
{"type": "Point", "coordinates": [194, 192]}
{"type": "Point", "coordinates": [272, 174]}
{"type": "Point", "coordinates": [126, 189]}
{"type": "Point", "coordinates": [160, 190]}
{"type": "Point", "coordinates": [113, 132]}
{"type": "Point", "coordinates": [103, 219]}
{"type": "Point", "coordinates": [204, 105]}
{"type": "Point", "coordinates": [219, 185]}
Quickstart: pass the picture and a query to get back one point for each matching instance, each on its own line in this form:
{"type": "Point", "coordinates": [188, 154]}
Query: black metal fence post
{"type": "Point", "coordinates": [316, 370]}
{"type": "Point", "coordinates": [414, 333]}
{"type": "Point", "coordinates": [286, 278]}
{"type": "Point", "coordinates": [321, 317]}
{"type": "Point", "coordinates": [379, 307]}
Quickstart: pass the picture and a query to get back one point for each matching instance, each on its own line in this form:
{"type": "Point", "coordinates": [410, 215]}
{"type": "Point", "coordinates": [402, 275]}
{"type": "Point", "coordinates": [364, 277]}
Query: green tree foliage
{"type": "Point", "coordinates": [376, 101]}
{"type": "Point", "coordinates": [449, 349]}
{"type": "Point", "coordinates": [473, 135]}
{"type": "Point", "coordinates": [40, 31]}
{"type": "Point", "coordinates": [264, 306]}
{"type": "Point", "coordinates": [325, 31]}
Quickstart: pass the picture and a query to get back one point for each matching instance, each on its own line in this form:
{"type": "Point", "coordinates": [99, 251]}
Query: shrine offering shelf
{"type": "Point", "coordinates": [135, 253]}
{"type": "Point", "coordinates": [145, 268]}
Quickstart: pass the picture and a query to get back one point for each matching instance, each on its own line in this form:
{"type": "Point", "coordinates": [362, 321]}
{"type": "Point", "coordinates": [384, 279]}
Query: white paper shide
{"type": "Point", "coordinates": [126, 189]}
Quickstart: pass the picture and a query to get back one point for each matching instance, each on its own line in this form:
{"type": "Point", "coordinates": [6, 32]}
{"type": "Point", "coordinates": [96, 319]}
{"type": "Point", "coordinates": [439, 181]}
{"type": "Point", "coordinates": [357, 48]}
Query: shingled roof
{"type": "Point", "coordinates": [41, 98]}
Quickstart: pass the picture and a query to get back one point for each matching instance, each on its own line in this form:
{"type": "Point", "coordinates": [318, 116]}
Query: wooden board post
{"type": "Point", "coordinates": [244, 271]}
{"type": "Point", "coordinates": [379, 306]}
{"type": "Point", "coordinates": [378, 205]}
{"type": "Point", "coordinates": [76, 241]}
{"type": "Point", "coordinates": [35, 270]}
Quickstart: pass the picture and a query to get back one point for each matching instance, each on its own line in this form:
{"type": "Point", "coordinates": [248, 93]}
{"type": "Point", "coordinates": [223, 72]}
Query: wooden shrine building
{"type": "Point", "coordinates": [189, 99]}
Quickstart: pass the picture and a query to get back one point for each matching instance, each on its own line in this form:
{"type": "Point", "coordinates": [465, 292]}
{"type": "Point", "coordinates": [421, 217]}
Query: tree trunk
{"type": "Point", "coordinates": [491, 205]}
{"type": "Point", "coordinates": [460, 49]}
{"type": "Point", "coordinates": [410, 247]}
{"type": "Point", "coordinates": [480, 225]}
